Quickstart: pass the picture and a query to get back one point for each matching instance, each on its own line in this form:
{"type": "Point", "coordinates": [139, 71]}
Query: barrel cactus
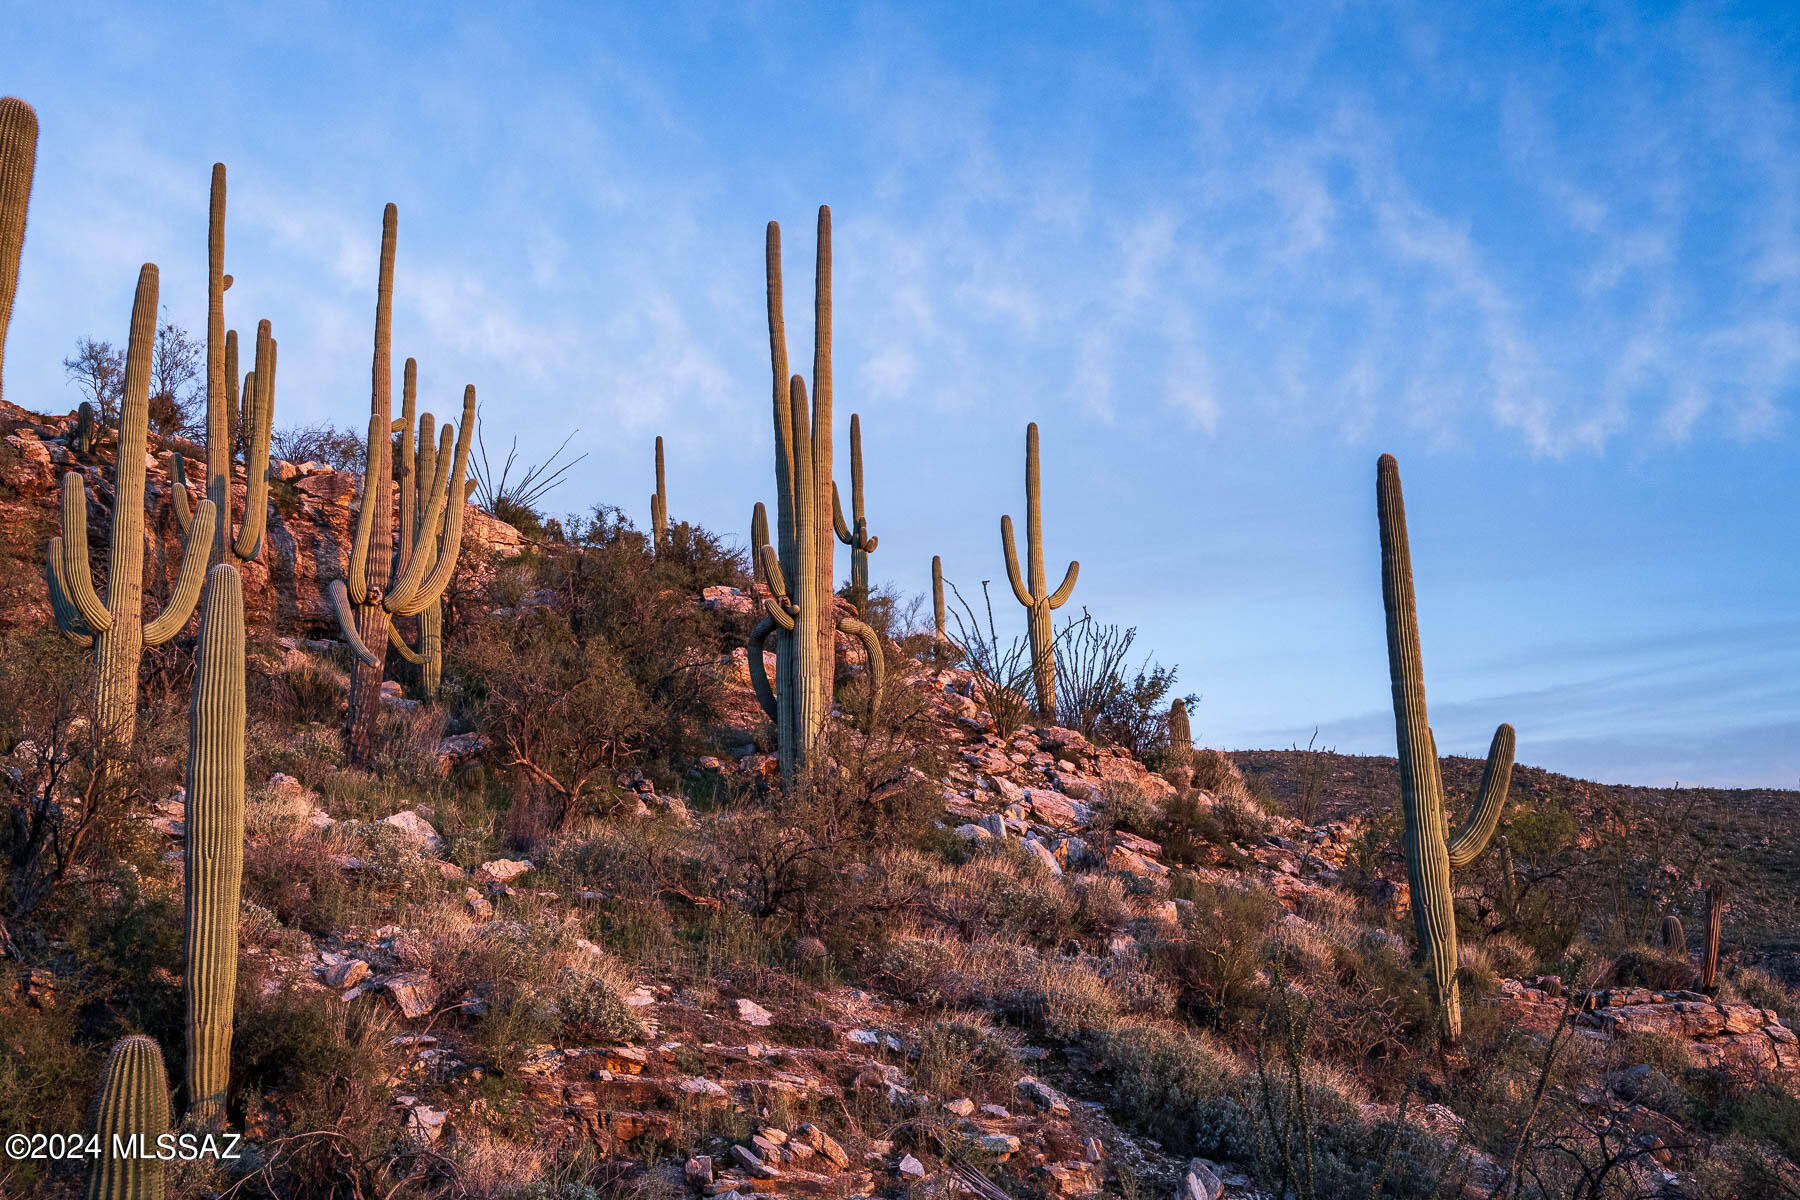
{"type": "Point", "coordinates": [1674, 939]}
{"type": "Point", "coordinates": [368, 598]}
{"type": "Point", "coordinates": [855, 535]}
{"type": "Point", "coordinates": [115, 627]}
{"type": "Point", "coordinates": [215, 841]}
{"type": "Point", "coordinates": [130, 1113]}
{"type": "Point", "coordinates": [1038, 601]}
{"type": "Point", "coordinates": [226, 426]}
{"type": "Point", "coordinates": [18, 162]}
{"type": "Point", "coordinates": [801, 619]}
{"type": "Point", "coordinates": [1430, 855]}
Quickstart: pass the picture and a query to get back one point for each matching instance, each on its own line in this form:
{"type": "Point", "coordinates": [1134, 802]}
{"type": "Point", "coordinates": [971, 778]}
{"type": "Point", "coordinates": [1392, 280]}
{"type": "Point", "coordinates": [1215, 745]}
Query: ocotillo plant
{"type": "Point", "coordinates": [659, 506]}
{"type": "Point", "coordinates": [224, 425]}
{"type": "Point", "coordinates": [115, 627]}
{"type": "Point", "coordinates": [131, 1112]}
{"type": "Point", "coordinates": [415, 502]}
{"type": "Point", "coordinates": [215, 841]}
{"type": "Point", "coordinates": [937, 596]}
{"type": "Point", "coordinates": [1715, 925]}
{"type": "Point", "coordinates": [364, 602]}
{"type": "Point", "coordinates": [18, 161]}
{"type": "Point", "coordinates": [1039, 602]}
{"type": "Point", "coordinates": [1674, 938]}
{"type": "Point", "coordinates": [855, 536]}
{"type": "Point", "coordinates": [1429, 856]}
{"type": "Point", "coordinates": [798, 704]}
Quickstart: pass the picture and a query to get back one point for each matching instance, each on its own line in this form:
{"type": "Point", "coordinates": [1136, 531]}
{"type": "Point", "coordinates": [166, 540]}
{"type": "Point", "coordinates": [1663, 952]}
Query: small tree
{"type": "Point", "coordinates": [323, 443]}
{"type": "Point", "coordinates": [99, 371]}
{"type": "Point", "coordinates": [175, 364]}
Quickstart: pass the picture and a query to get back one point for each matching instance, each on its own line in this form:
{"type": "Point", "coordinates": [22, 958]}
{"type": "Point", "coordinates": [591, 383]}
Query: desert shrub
{"type": "Point", "coordinates": [325, 443]}
{"type": "Point", "coordinates": [1002, 670]}
{"type": "Point", "coordinates": [964, 1056]}
{"type": "Point", "coordinates": [1189, 830]}
{"type": "Point", "coordinates": [1098, 694]}
{"type": "Point", "coordinates": [1753, 985]}
{"type": "Point", "coordinates": [1651, 967]}
{"type": "Point", "coordinates": [1123, 806]}
{"type": "Point", "coordinates": [1176, 1087]}
{"type": "Point", "coordinates": [1212, 771]}
{"type": "Point", "coordinates": [1215, 955]}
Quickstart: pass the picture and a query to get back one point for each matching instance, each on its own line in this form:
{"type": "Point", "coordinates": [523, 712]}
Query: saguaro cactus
{"type": "Point", "coordinates": [419, 470]}
{"type": "Point", "coordinates": [131, 1112]}
{"type": "Point", "coordinates": [801, 698]}
{"type": "Point", "coordinates": [1181, 734]}
{"type": "Point", "coordinates": [86, 430]}
{"type": "Point", "coordinates": [115, 627]}
{"type": "Point", "coordinates": [364, 602]}
{"type": "Point", "coordinates": [225, 426]}
{"type": "Point", "coordinates": [1715, 926]}
{"type": "Point", "coordinates": [659, 506]}
{"type": "Point", "coordinates": [215, 841]}
{"type": "Point", "coordinates": [18, 161]}
{"type": "Point", "coordinates": [937, 597]}
{"type": "Point", "coordinates": [855, 536]}
{"type": "Point", "coordinates": [1674, 938]}
{"type": "Point", "coordinates": [1430, 857]}
{"type": "Point", "coordinates": [1039, 602]}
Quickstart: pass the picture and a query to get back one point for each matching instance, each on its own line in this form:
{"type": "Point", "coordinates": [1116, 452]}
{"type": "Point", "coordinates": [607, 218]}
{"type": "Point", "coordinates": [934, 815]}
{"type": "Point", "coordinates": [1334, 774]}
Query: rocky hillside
{"type": "Point", "coordinates": [962, 958]}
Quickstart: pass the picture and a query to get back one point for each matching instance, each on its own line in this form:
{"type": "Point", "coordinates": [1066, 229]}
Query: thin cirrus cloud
{"type": "Point", "coordinates": [1551, 258]}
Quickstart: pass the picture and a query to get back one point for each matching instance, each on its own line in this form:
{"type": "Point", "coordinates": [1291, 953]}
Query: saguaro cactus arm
{"type": "Point", "coordinates": [937, 593]}
{"type": "Point", "coordinates": [77, 574]}
{"type": "Point", "coordinates": [18, 162]}
{"type": "Point", "coordinates": [180, 604]}
{"type": "Point", "coordinates": [759, 532]}
{"type": "Point", "coordinates": [759, 670]}
{"type": "Point", "coordinates": [410, 597]}
{"type": "Point", "coordinates": [877, 661]}
{"type": "Point", "coordinates": [405, 651]}
{"type": "Point", "coordinates": [340, 606]}
{"type": "Point", "coordinates": [1471, 837]}
{"type": "Point", "coordinates": [259, 414]}
{"type": "Point", "coordinates": [1020, 591]}
{"type": "Point", "coordinates": [68, 619]}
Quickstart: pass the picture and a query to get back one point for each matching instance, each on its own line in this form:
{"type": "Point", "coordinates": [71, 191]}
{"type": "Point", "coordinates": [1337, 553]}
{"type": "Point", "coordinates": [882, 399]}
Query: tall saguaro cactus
{"type": "Point", "coordinates": [416, 538]}
{"type": "Point", "coordinates": [801, 618]}
{"type": "Point", "coordinates": [856, 536]}
{"type": "Point", "coordinates": [131, 1112]}
{"type": "Point", "coordinates": [364, 601]}
{"type": "Point", "coordinates": [937, 597]}
{"type": "Point", "coordinates": [659, 506]}
{"type": "Point", "coordinates": [1430, 856]}
{"type": "Point", "coordinates": [215, 841]}
{"type": "Point", "coordinates": [1715, 927]}
{"type": "Point", "coordinates": [225, 427]}
{"type": "Point", "coordinates": [115, 627]}
{"type": "Point", "coordinates": [18, 162]}
{"type": "Point", "coordinates": [1039, 602]}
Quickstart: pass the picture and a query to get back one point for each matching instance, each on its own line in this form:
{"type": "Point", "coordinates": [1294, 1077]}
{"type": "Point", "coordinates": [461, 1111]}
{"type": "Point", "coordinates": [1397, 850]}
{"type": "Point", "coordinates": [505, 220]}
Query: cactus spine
{"type": "Point", "coordinates": [1430, 857]}
{"type": "Point", "coordinates": [855, 536]}
{"type": "Point", "coordinates": [1715, 927]}
{"type": "Point", "coordinates": [133, 1109]}
{"type": "Point", "coordinates": [1674, 938]}
{"type": "Point", "coordinates": [364, 601]}
{"type": "Point", "coordinates": [800, 699]}
{"type": "Point", "coordinates": [659, 506]}
{"type": "Point", "coordinates": [1039, 602]}
{"type": "Point", "coordinates": [937, 597]}
{"type": "Point", "coordinates": [225, 425]}
{"type": "Point", "coordinates": [115, 627]}
{"type": "Point", "coordinates": [215, 841]}
{"type": "Point", "coordinates": [418, 470]}
{"type": "Point", "coordinates": [18, 162]}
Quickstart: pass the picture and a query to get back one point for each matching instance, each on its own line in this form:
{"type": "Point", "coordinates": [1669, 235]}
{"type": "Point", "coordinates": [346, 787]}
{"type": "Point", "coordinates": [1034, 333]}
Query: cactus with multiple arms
{"type": "Point", "coordinates": [855, 536]}
{"type": "Point", "coordinates": [659, 506]}
{"type": "Point", "coordinates": [115, 627]}
{"type": "Point", "coordinates": [800, 700]}
{"type": "Point", "coordinates": [226, 426]}
{"type": "Point", "coordinates": [132, 1109]}
{"type": "Point", "coordinates": [416, 477]}
{"type": "Point", "coordinates": [18, 162]}
{"type": "Point", "coordinates": [1430, 857]}
{"type": "Point", "coordinates": [1039, 602]}
{"type": "Point", "coordinates": [365, 601]}
{"type": "Point", "coordinates": [215, 841]}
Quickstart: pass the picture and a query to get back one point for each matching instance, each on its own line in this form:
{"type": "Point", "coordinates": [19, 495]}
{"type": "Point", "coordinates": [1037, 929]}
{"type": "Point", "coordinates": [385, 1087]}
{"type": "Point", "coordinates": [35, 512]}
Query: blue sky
{"type": "Point", "coordinates": [1549, 258]}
